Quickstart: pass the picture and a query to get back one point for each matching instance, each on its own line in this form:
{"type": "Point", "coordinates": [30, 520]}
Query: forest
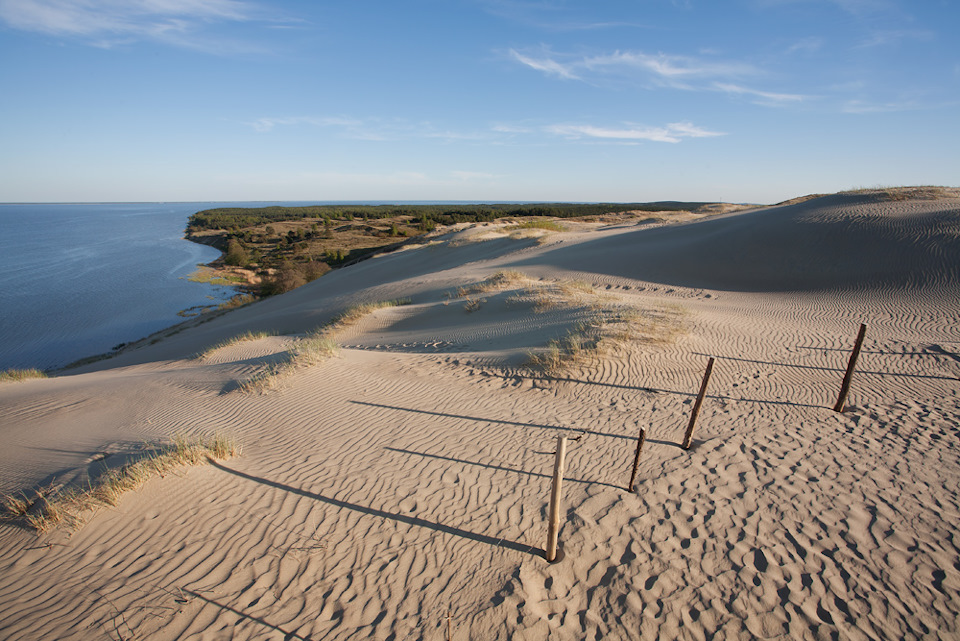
{"type": "Point", "coordinates": [236, 218]}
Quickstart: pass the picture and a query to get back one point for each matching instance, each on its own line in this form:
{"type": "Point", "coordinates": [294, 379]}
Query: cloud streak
{"type": "Point", "coordinates": [372, 129]}
{"type": "Point", "coordinates": [108, 23]}
{"type": "Point", "coordinates": [672, 133]}
{"type": "Point", "coordinates": [766, 97]}
{"type": "Point", "coordinates": [682, 72]}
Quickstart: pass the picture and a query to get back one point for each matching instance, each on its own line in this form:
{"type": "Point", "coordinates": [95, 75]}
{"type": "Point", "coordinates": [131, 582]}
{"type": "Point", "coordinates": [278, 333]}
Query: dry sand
{"type": "Point", "coordinates": [399, 489]}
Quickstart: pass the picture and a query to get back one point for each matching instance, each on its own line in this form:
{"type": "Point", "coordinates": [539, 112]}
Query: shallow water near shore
{"type": "Point", "coordinates": [78, 279]}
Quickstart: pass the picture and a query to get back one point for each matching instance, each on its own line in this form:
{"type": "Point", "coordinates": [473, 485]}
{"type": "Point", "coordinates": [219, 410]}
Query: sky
{"type": "Point", "coordinates": [482, 100]}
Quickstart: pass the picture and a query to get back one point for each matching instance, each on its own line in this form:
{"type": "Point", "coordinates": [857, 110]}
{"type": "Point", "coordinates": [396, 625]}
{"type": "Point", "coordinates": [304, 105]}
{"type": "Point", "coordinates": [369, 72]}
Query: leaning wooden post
{"type": "Point", "coordinates": [553, 528]}
{"type": "Point", "coordinates": [851, 365]}
{"type": "Point", "coordinates": [688, 437]}
{"type": "Point", "coordinates": [636, 458]}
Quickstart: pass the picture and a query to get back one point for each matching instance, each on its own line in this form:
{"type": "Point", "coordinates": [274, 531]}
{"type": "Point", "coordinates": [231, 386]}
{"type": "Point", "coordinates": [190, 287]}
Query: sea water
{"type": "Point", "coordinates": [76, 280]}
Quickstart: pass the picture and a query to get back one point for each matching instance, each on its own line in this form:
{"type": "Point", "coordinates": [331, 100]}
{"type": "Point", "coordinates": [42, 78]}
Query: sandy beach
{"type": "Point", "coordinates": [398, 488]}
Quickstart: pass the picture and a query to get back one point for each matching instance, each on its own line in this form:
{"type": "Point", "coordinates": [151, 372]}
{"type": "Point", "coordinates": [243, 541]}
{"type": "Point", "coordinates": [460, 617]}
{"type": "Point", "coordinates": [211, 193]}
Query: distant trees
{"type": "Point", "coordinates": [235, 218]}
{"type": "Point", "coordinates": [236, 254]}
{"type": "Point", "coordinates": [292, 275]}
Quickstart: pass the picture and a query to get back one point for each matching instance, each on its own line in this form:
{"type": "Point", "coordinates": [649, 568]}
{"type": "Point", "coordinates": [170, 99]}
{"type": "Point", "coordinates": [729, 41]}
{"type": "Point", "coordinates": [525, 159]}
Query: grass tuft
{"type": "Point", "coordinates": [549, 225]}
{"type": "Point", "coordinates": [240, 300]}
{"type": "Point", "coordinates": [608, 327]}
{"type": "Point", "coordinates": [15, 505]}
{"type": "Point", "coordinates": [315, 348]}
{"type": "Point", "coordinates": [241, 338]}
{"type": "Point", "coordinates": [20, 375]}
{"type": "Point", "coordinates": [56, 507]}
{"type": "Point", "coordinates": [355, 313]}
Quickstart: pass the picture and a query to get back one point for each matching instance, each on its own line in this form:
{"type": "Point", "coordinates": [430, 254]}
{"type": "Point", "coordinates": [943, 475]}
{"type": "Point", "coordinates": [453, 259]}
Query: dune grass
{"type": "Point", "coordinates": [20, 375]}
{"type": "Point", "coordinates": [607, 329]}
{"type": "Point", "coordinates": [606, 324]}
{"type": "Point", "coordinates": [905, 192]}
{"type": "Point", "coordinates": [314, 348]}
{"type": "Point", "coordinates": [547, 224]}
{"type": "Point", "coordinates": [353, 314]}
{"type": "Point", "coordinates": [53, 508]}
{"type": "Point", "coordinates": [240, 338]}
{"type": "Point", "coordinates": [307, 351]}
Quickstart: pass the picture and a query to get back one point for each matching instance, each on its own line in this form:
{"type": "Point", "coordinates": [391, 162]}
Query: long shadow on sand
{"type": "Point", "coordinates": [652, 390]}
{"type": "Point", "coordinates": [400, 518]}
{"type": "Point", "coordinates": [503, 422]}
{"type": "Point", "coordinates": [243, 615]}
{"type": "Point", "coordinates": [832, 369]}
{"type": "Point", "coordinates": [498, 467]}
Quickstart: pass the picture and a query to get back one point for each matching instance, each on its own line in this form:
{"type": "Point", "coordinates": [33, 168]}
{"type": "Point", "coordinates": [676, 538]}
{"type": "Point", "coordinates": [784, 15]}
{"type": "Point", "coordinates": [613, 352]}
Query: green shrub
{"type": "Point", "coordinates": [236, 254]}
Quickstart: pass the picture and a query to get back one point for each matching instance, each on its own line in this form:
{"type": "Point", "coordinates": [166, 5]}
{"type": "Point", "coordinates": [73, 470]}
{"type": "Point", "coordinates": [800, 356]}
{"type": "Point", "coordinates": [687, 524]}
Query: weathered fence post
{"type": "Point", "coordinates": [688, 437]}
{"type": "Point", "coordinates": [553, 528]}
{"type": "Point", "coordinates": [636, 458]}
{"type": "Point", "coordinates": [851, 365]}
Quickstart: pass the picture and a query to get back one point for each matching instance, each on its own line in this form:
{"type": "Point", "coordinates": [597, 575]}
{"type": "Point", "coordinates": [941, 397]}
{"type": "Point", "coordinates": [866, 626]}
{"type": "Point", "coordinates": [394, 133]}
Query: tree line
{"type": "Point", "coordinates": [236, 218]}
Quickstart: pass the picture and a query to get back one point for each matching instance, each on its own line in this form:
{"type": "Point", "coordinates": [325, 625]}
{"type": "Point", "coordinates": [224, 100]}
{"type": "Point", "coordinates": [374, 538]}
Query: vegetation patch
{"type": "Point", "coordinates": [240, 300]}
{"type": "Point", "coordinates": [315, 348]}
{"type": "Point", "coordinates": [241, 338]}
{"type": "Point", "coordinates": [211, 276]}
{"type": "Point", "coordinates": [607, 325]}
{"type": "Point", "coordinates": [352, 315]}
{"type": "Point", "coordinates": [52, 508]}
{"type": "Point", "coordinates": [904, 192]}
{"type": "Point", "coordinates": [608, 329]}
{"type": "Point", "coordinates": [20, 375]}
{"type": "Point", "coordinates": [307, 351]}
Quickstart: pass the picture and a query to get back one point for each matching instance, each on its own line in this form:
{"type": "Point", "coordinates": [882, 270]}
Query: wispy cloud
{"type": "Point", "coordinates": [689, 73]}
{"type": "Point", "coordinates": [470, 176]}
{"type": "Point", "coordinates": [854, 7]}
{"type": "Point", "coordinates": [895, 37]}
{"type": "Point", "coordinates": [108, 23]}
{"type": "Point", "coordinates": [671, 69]}
{"type": "Point", "coordinates": [667, 66]}
{"type": "Point", "coordinates": [673, 132]}
{"type": "Point", "coordinates": [766, 97]}
{"type": "Point", "coordinates": [373, 129]}
{"type": "Point", "coordinates": [546, 64]}
{"type": "Point", "coordinates": [865, 107]}
{"type": "Point", "coordinates": [811, 44]}
{"type": "Point", "coordinates": [551, 15]}
{"type": "Point", "coordinates": [269, 124]}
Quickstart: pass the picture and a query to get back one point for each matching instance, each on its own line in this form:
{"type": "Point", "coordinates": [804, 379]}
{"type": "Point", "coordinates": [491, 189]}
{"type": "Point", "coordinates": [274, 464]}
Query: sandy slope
{"type": "Point", "coordinates": [405, 481]}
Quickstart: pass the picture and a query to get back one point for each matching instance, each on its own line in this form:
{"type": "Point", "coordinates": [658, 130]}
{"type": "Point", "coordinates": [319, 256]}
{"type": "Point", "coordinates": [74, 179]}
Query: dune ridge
{"type": "Point", "coordinates": [398, 489]}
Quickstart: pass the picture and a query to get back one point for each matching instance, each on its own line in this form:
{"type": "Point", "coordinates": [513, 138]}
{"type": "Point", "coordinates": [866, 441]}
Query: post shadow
{"type": "Point", "coordinates": [400, 518]}
{"type": "Point", "coordinates": [836, 369]}
{"type": "Point", "coordinates": [496, 467]}
{"type": "Point", "coordinates": [658, 390]}
{"type": "Point", "coordinates": [492, 420]}
{"type": "Point", "coordinates": [243, 615]}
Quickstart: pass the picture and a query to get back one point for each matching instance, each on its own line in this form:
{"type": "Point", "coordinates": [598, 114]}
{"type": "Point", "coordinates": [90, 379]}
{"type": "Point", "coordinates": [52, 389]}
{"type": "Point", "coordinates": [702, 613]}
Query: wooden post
{"type": "Point", "coordinates": [851, 365]}
{"type": "Point", "coordinates": [688, 437]}
{"type": "Point", "coordinates": [636, 458]}
{"type": "Point", "coordinates": [553, 528]}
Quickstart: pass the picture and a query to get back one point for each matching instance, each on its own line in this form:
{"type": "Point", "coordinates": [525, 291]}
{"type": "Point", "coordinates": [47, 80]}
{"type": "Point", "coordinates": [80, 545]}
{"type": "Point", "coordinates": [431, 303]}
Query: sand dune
{"type": "Point", "coordinates": [398, 490]}
{"type": "Point", "coordinates": [838, 242]}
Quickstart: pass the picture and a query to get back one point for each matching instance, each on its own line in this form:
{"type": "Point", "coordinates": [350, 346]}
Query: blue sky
{"type": "Point", "coordinates": [490, 100]}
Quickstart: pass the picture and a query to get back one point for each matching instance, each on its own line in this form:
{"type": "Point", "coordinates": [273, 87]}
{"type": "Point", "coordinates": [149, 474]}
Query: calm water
{"type": "Point", "coordinates": [76, 280]}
